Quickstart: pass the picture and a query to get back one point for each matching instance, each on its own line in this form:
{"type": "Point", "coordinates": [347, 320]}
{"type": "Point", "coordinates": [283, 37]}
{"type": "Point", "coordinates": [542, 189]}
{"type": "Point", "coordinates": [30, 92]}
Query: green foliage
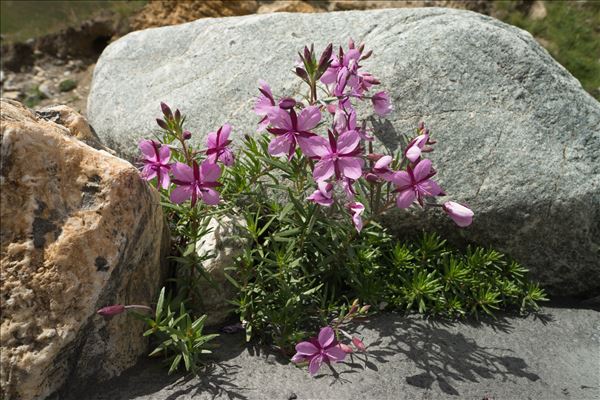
{"type": "Point", "coordinates": [67, 85]}
{"type": "Point", "coordinates": [306, 261]}
{"type": "Point", "coordinates": [569, 32]}
{"type": "Point", "coordinates": [179, 336]}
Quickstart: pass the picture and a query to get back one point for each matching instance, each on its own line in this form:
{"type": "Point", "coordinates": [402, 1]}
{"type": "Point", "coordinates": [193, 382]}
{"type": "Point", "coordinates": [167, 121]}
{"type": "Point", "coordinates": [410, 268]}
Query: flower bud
{"type": "Point", "coordinates": [367, 55]}
{"type": "Point", "coordinates": [287, 103]}
{"type": "Point", "coordinates": [374, 156]}
{"type": "Point", "coordinates": [325, 59]}
{"type": "Point", "coordinates": [177, 115]}
{"type": "Point", "coordinates": [301, 72]}
{"type": "Point", "coordinates": [460, 214]}
{"type": "Point", "coordinates": [350, 43]}
{"type": "Point", "coordinates": [359, 344]}
{"type": "Point", "coordinates": [109, 311]}
{"type": "Point", "coordinates": [307, 54]}
{"type": "Point", "coordinates": [361, 47]}
{"type": "Point", "coordinates": [371, 177]}
{"type": "Point", "coordinates": [187, 135]}
{"type": "Point", "coordinates": [364, 309]}
{"type": "Point", "coordinates": [162, 124]}
{"type": "Point", "coordinates": [166, 110]}
{"type": "Point", "coordinates": [345, 348]}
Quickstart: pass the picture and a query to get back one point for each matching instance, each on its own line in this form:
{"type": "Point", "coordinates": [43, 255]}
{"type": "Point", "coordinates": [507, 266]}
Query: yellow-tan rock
{"type": "Point", "coordinates": [79, 230]}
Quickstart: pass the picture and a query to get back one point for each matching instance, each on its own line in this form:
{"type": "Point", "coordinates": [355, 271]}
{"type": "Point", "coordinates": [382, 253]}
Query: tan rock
{"type": "Point", "coordinates": [80, 230]}
{"type": "Point", "coordinates": [288, 6]}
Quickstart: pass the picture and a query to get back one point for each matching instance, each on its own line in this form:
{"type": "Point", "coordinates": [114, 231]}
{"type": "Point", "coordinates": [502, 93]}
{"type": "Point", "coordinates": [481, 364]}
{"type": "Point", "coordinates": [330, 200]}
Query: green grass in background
{"type": "Point", "coordinates": [21, 20]}
{"type": "Point", "coordinates": [570, 32]}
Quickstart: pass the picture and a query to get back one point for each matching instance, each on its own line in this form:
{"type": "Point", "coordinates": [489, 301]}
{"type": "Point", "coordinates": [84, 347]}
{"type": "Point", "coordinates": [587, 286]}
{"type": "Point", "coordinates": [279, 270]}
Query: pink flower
{"type": "Point", "coordinates": [110, 311]}
{"type": "Point", "coordinates": [381, 103]}
{"type": "Point", "coordinates": [325, 348]}
{"type": "Point", "coordinates": [264, 105]}
{"type": "Point", "coordinates": [460, 214]}
{"type": "Point", "coordinates": [323, 195]}
{"type": "Point", "coordinates": [156, 162]}
{"type": "Point", "coordinates": [415, 184]}
{"type": "Point", "coordinates": [357, 209]}
{"type": "Point", "coordinates": [348, 188]}
{"type": "Point", "coordinates": [217, 143]}
{"type": "Point", "coordinates": [292, 129]}
{"type": "Point", "coordinates": [340, 157]}
{"type": "Point", "coordinates": [415, 146]}
{"type": "Point", "coordinates": [196, 182]}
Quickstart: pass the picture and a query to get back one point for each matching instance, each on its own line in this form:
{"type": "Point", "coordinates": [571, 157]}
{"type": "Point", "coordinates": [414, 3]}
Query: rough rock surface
{"type": "Point", "coordinates": [222, 246]}
{"type": "Point", "coordinates": [72, 241]}
{"type": "Point", "coordinates": [519, 139]}
{"type": "Point", "coordinates": [552, 357]}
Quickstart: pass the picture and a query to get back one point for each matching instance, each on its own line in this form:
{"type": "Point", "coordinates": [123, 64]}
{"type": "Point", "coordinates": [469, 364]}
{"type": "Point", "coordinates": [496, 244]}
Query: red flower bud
{"type": "Point", "coordinates": [162, 124]}
{"type": "Point", "coordinates": [345, 348]}
{"type": "Point", "coordinates": [371, 177]}
{"type": "Point", "coordinates": [187, 135]}
{"type": "Point", "coordinates": [374, 156]}
{"type": "Point", "coordinates": [359, 344]}
{"type": "Point", "coordinates": [109, 311]}
{"type": "Point", "coordinates": [166, 110]}
{"type": "Point", "coordinates": [287, 103]}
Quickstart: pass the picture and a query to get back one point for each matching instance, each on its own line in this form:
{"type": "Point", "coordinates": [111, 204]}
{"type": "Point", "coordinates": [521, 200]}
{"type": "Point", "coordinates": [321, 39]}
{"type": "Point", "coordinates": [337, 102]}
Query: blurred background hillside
{"type": "Point", "coordinates": [49, 48]}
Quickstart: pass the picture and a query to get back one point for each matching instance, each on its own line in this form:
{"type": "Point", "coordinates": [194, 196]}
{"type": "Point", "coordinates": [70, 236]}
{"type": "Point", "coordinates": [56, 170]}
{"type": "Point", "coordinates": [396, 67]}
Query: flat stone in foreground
{"type": "Point", "coordinates": [555, 356]}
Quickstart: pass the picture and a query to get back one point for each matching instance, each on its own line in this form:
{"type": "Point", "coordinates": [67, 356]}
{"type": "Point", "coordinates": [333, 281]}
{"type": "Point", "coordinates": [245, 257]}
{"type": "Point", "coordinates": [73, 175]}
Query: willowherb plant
{"type": "Point", "coordinates": [341, 155]}
{"type": "Point", "coordinates": [320, 137]}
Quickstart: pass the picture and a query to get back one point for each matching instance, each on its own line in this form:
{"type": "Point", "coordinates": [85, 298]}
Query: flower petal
{"type": "Point", "coordinates": [280, 145]}
{"type": "Point", "coordinates": [181, 194]}
{"type": "Point", "coordinates": [422, 170]}
{"type": "Point", "coordinates": [147, 149]}
{"type": "Point", "coordinates": [335, 353]}
{"type": "Point", "coordinates": [326, 336]}
{"type": "Point", "coordinates": [413, 153]}
{"type": "Point", "coordinates": [182, 172]}
{"type": "Point", "coordinates": [306, 348]}
{"type": "Point", "coordinates": [401, 179]}
{"type": "Point", "coordinates": [209, 172]}
{"type": "Point", "coordinates": [347, 142]}
{"type": "Point", "coordinates": [429, 188]}
{"type": "Point", "coordinates": [351, 167]}
{"type": "Point", "coordinates": [315, 364]}
{"type": "Point", "coordinates": [406, 198]}
{"type": "Point", "coordinates": [323, 170]}
{"type": "Point", "coordinates": [309, 118]}
{"type": "Point", "coordinates": [314, 146]}
{"type": "Point", "coordinates": [210, 196]}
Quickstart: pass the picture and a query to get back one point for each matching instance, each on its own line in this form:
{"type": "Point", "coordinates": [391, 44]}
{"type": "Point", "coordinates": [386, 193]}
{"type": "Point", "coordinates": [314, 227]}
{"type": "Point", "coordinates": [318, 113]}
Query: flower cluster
{"type": "Point", "coordinates": [194, 174]}
{"type": "Point", "coordinates": [338, 157]}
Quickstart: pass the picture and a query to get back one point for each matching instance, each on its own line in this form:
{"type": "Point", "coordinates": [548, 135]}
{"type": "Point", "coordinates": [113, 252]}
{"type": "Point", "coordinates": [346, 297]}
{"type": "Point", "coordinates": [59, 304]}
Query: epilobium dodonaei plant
{"type": "Point", "coordinates": [309, 193]}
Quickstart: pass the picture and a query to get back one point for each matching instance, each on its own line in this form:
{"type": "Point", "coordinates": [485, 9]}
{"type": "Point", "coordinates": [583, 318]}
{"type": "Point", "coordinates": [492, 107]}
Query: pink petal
{"type": "Point", "coordinates": [165, 178]}
{"type": "Point", "coordinates": [329, 76]}
{"type": "Point", "coordinates": [298, 358]}
{"type": "Point", "coordinates": [211, 140]}
{"type": "Point", "coordinates": [315, 364]}
{"type": "Point", "coordinates": [401, 179]}
{"type": "Point", "coordinates": [383, 162]}
{"type": "Point", "coordinates": [347, 142]}
{"type": "Point", "coordinates": [225, 132]}
{"type": "Point", "coordinates": [406, 198]}
{"type": "Point", "coordinates": [148, 173]}
{"type": "Point", "coordinates": [351, 167]}
{"type": "Point", "coordinates": [314, 146]}
{"type": "Point", "coordinates": [280, 145]}
{"type": "Point", "coordinates": [323, 170]}
{"type": "Point", "coordinates": [164, 153]}
{"type": "Point", "coordinates": [147, 149]}
{"type": "Point", "coordinates": [413, 153]}
{"type": "Point", "coordinates": [429, 188]}
{"type": "Point", "coordinates": [280, 119]}
{"type": "Point", "coordinates": [210, 196]}
{"type": "Point", "coordinates": [182, 172]}
{"type": "Point", "coordinates": [263, 124]}
{"type": "Point", "coordinates": [227, 157]}
{"type": "Point", "coordinates": [335, 354]}
{"type": "Point", "coordinates": [460, 214]}
{"type": "Point", "coordinates": [209, 172]}
{"type": "Point", "coordinates": [181, 194]}
{"type": "Point", "coordinates": [309, 118]}
{"type": "Point", "coordinates": [422, 169]}
{"type": "Point", "coordinates": [306, 348]}
{"type": "Point", "coordinates": [326, 336]}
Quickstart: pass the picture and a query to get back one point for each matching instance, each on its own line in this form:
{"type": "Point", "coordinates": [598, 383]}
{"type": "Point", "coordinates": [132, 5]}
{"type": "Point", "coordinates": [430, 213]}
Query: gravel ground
{"type": "Point", "coordinates": [552, 355]}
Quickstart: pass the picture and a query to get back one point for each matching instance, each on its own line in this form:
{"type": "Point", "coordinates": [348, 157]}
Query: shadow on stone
{"type": "Point", "coordinates": [445, 356]}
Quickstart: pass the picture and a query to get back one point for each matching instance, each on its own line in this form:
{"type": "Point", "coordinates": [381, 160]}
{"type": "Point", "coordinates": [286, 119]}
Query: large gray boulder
{"type": "Point", "coordinates": [519, 139]}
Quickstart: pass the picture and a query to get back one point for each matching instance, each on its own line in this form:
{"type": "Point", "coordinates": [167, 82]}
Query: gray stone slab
{"type": "Point", "coordinates": [518, 138]}
{"type": "Point", "coordinates": [555, 355]}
